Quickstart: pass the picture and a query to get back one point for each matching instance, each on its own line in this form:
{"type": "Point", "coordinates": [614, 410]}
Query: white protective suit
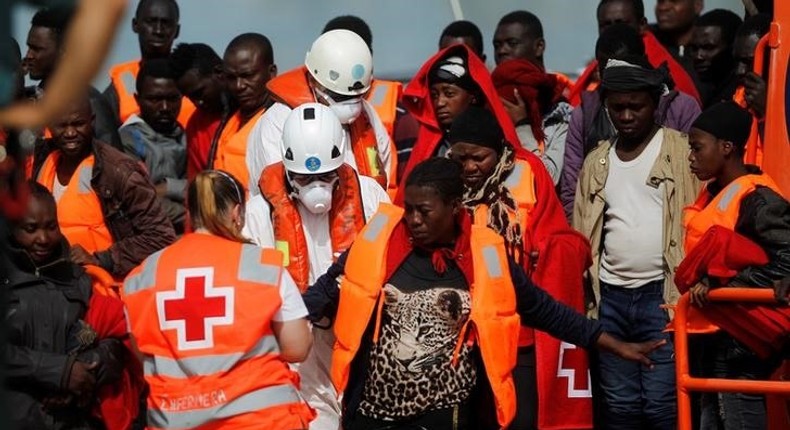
{"type": "Point", "coordinates": [316, 384]}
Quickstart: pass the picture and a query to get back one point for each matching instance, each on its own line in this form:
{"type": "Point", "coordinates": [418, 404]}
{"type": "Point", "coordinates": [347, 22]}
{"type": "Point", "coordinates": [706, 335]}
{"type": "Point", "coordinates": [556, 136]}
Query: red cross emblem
{"type": "Point", "coordinates": [575, 370]}
{"type": "Point", "coordinates": [195, 307]}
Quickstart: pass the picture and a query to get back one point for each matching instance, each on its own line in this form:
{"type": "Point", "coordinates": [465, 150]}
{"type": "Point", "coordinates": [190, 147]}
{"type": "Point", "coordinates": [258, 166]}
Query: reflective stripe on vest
{"type": "Point", "coordinates": [494, 316]}
{"type": "Point", "coordinates": [384, 96]}
{"type": "Point", "coordinates": [207, 364]}
{"type": "Point", "coordinates": [521, 183]}
{"type": "Point", "coordinates": [721, 210]}
{"type": "Point", "coordinates": [251, 402]}
{"type": "Point", "coordinates": [146, 277]}
{"type": "Point", "coordinates": [80, 214]}
{"type": "Point", "coordinates": [252, 269]}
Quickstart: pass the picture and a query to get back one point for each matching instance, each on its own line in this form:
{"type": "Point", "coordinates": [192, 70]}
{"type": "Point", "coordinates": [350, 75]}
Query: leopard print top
{"type": "Point", "coordinates": [411, 369]}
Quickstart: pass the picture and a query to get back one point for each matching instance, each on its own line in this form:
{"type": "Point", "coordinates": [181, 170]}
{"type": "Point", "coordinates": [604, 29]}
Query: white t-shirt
{"type": "Point", "coordinates": [633, 221]}
{"type": "Point", "coordinates": [265, 140]}
{"type": "Point", "coordinates": [292, 307]}
{"type": "Point", "coordinates": [258, 225]}
{"type": "Point", "coordinates": [58, 189]}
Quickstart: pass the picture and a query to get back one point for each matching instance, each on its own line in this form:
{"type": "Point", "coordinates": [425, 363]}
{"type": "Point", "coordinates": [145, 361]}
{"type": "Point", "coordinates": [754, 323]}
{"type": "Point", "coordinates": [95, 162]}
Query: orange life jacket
{"type": "Point", "coordinates": [231, 153]}
{"type": "Point", "coordinates": [346, 218]}
{"type": "Point", "coordinates": [493, 311]}
{"type": "Point", "coordinates": [124, 79]}
{"type": "Point", "coordinates": [80, 213]}
{"type": "Point", "coordinates": [103, 282]}
{"type": "Point", "coordinates": [293, 89]}
{"type": "Point", "coordinates": [721, 210]}
{"type": "Point", "coordinates": [754, 135]}
{"type": "Point", "coordinates": [521, 183]}
{"type": "Point", "coordinates": [202, 322]}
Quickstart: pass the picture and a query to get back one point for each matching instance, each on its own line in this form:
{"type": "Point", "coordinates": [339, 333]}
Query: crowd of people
{"type": "Point", "coordinates": [211, 242]}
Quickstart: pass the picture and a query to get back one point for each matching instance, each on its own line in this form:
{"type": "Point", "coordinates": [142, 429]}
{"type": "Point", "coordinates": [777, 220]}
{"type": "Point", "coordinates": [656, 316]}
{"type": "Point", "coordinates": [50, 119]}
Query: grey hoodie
{"type": "Point", "coordinates": [164, 154]}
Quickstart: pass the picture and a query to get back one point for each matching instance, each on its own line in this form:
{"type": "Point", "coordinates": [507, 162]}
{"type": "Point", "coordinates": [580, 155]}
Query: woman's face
{"type": "Point", "coordinates": [449, 101]}
{"type": "Point", "coordinates": [430, 220]}
{"type": "Point", "coordinates": [38, 232]}
{"type": "Point", "coordinates": [478, 162]}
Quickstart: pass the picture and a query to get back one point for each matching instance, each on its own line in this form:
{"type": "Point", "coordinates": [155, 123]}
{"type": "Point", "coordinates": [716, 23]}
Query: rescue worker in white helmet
{"type": "Point", "coordinates": [311, 206]}
{"type": "Point", "coordinates": [337, 72]}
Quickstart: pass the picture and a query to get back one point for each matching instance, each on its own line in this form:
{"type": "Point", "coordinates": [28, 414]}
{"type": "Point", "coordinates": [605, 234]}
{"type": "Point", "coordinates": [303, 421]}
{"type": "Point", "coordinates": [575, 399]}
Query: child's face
{"type": "Point", "coordinates": [706, 158]}
{"type": "Point", "coordinates": [38, 232]}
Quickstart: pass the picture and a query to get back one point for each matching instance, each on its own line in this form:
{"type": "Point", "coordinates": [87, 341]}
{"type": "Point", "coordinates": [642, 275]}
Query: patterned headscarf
{"type": "Point", "coordinates": [502, 207]}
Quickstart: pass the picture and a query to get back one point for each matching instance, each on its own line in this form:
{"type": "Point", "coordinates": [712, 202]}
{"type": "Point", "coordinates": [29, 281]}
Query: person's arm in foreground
{"type": "Point", "coordinates": [88, 40]}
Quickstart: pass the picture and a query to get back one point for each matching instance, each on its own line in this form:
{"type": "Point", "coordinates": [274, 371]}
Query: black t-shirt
{"type": "Point", "coordinates": [411, 370]}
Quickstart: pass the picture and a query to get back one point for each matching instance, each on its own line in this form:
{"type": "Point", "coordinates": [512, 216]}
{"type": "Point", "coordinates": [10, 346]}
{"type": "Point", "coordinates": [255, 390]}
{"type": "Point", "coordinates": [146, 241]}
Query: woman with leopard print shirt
{"type": "Point", "coordinates": [426, 311]}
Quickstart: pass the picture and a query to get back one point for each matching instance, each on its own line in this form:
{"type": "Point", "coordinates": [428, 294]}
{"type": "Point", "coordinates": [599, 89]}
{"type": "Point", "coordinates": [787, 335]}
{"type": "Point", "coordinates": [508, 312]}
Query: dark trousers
{"type": "Point", "coordinates": [725, 357]}
{"type": "Point", "coordinates": [635, 396]}
{"type": "Point", "coordinates": [454, 418]}
{"type": "Point", "coordinates": [525, 378]}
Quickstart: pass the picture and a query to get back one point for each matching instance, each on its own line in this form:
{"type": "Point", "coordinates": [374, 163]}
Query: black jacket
{"type": "Point", "coordinates": [535, 307]}
{"type": "Point", "coordinates": [43, 313]}
{"type": "Point", "coordinates": [764, 217]}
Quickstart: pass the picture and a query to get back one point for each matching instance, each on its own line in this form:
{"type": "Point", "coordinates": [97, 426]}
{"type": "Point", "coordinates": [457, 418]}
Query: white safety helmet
{"type": "Point", "coordinates": [313, 140]}
{"type": "Point", "coordinates": [341, 62]}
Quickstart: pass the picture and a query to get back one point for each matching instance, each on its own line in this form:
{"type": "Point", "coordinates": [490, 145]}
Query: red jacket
{"type": "Point", "coordinates": [200, 131]}
{"type": "Point", "coordinates": [656, 54]}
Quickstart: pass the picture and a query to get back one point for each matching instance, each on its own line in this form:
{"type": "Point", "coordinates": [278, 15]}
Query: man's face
{"type": "Point", "coordinates": [618, 12]}
{"type": "Point", "coordinates": [204, 91]}
{"type": "Point", "coordinates": [156, 27]}
{"type": "Point", "coordinates": [72, 133]}
{"type": "Point", "coordinates": [632, 113]}
{"type": "Point", "coordinates": [707, 45]}
{"type": "Point", "coordinates": [160, 102]}
{"type": "Point", "coordinates": [42, 52]}
{"type": "Point", "coordinates": [743, 54]}
{"type": "Point", "coordinates": [675, 15]}
{"type": "Point", "coordinates": [246, 75]}
{"type": "Point", "coordinates": [513, 41]}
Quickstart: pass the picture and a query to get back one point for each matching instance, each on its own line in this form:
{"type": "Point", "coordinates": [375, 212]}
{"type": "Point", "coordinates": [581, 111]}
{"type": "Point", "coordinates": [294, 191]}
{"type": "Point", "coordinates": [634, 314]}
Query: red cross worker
{"type": "Point", "coordinates": [216, 321]}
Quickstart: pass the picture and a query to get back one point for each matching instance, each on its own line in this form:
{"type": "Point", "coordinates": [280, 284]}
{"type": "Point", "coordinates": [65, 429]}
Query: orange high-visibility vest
{"type": "Point", "coordinates": [346, 218]}
{"type": "Point", "coordinates": [124, 79]}
{"type": "Point", "coordinates": [293, 89]}
{"type": "Point", "coordinates": [231, 153]}
{"type": "Point", "coordinates": [721, 210]}
{"type": "Point", "coordinates": [80, 213]}
{"type": "Point", "coordinates": [493, 311]}
{"type": "Point", "coordinates": [202, 322]}
{"type": "Point", "coordinates": [521, 183]}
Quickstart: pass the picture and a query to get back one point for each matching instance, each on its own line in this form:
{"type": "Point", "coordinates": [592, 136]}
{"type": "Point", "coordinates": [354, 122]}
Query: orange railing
{"type": "Point", "coordinates": [687, 383]}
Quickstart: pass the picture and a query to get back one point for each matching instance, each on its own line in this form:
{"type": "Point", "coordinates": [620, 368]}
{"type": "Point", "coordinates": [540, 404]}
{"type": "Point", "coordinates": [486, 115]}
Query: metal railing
{"type": "Point", "coordinates": [687, 383]}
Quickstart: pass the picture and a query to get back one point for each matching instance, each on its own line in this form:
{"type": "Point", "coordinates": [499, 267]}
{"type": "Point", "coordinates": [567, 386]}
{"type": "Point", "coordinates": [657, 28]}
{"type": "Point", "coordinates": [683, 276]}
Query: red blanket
{"type": "Point", "coordinates": [720, 255]}
{"type": "Point", "coordinates": [564, 389]}
{"type": "Point", "coordinates": [118, 403]}
{"type": "Point", "coordinates": [656, 54]}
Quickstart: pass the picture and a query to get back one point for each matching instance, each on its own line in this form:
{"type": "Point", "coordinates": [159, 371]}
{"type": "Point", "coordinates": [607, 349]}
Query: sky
{"type": "Point", "coordinates": [405, 32]}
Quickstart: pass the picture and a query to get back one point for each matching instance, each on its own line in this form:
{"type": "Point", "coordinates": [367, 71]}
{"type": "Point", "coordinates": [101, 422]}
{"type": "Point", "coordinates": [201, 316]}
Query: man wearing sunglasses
{"type": "Point", "coordinates": [338, 73]}
{"type": "Point", "coordinates": [311, 206]}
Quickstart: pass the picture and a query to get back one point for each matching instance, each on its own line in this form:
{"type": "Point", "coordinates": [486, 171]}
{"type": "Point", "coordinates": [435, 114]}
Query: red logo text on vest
{"type": "Point", "coordinates": [194, 308]}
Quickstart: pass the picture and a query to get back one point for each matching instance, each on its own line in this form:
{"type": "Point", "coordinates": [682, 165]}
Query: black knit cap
{"type": "Point", "coordinates": [727, 121]}
{"type": "Point", "coordinates": [478, 126]}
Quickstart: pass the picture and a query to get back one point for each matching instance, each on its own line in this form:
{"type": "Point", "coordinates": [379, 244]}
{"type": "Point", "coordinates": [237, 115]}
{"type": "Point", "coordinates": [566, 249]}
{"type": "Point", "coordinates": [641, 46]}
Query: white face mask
{"type": "Point", "coordinates": [316, 196]}
{"type": "Point", "coordinates": [347, 111]}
